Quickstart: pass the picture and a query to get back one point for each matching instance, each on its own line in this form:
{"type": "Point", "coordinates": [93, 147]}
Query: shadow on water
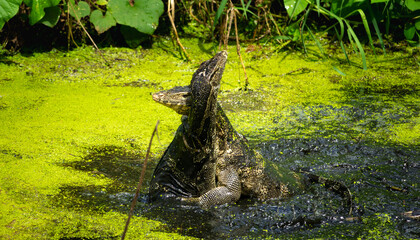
{"type": "Point", "coordinates": [116, 164]}
{"type": "Point", "coordinates": [250, 218]}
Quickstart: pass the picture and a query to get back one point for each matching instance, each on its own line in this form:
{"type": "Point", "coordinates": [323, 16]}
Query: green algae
{"type": "Point", "coordinates": [59, 109]}
{"type": "Point", "coordinates": [54, 107]}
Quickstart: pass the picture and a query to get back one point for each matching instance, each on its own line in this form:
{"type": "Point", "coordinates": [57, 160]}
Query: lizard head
{"type": "Point", "coordinates": [179, 98]}
{"type": "Point", "coordinates": [210, 72]}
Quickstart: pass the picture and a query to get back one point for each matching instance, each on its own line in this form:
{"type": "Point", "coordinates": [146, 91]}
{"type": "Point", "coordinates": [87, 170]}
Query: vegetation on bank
{"type": "Point", "coordinates": [44, 24]}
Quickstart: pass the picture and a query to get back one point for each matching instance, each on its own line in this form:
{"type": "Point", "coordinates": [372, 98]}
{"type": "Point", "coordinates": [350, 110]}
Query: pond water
{"type": "Point", "coordinates": [74, 134]}
{"type": "Point", "coordinates": [386, 187]}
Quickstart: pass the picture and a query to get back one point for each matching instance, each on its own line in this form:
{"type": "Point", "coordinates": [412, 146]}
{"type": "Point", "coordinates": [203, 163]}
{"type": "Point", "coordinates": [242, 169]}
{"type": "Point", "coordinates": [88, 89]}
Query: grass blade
{"type": "Point", "coordinates": [245, 11]}
{"type": "Point", "coordinates": [318, 4]}
{"type": "Point", "coordinates": [353, 44]}
{"type": "Point", "coordinates": [301, 31]}
{"type": "Point", "coordinates": [342, 47]}
{"type": "Point", "coordinates": [376, 27]}
{"type": "Point", "coordinates": [219, 13]}
{"type": "Point", "coordinates": [366, 25]}
{"type": "Point", "coordinates": [338, 70]}
{"type": "Point", "coordinates": [339, 19]}
{"type": "Point", "coordinates": [318, 43]}
{"type": "Point", "coordinates": [356, 39]}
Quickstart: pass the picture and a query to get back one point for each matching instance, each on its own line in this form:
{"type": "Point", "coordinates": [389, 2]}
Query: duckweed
{"type": "Point", "coordinates": [74, 128]}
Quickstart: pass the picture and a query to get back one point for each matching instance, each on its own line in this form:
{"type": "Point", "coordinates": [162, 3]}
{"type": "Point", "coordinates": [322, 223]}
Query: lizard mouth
{"type": "Point", "coordinates": [177, 98]}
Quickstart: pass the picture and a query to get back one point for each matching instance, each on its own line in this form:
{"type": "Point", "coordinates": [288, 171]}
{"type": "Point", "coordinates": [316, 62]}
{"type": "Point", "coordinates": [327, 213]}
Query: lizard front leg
{"type": "Point", "coordinates": [229, 190]}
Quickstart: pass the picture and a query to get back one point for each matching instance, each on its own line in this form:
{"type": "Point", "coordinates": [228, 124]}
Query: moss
{"type": "Point", "coordinates": [56, 107]}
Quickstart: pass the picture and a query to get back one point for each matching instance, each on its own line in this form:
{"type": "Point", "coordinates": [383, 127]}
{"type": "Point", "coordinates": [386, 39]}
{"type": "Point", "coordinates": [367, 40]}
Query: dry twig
{"type": "Point", "coordinates": [171, 15]}
{"type": "Point", "coordinates": [238, 47]}
{"type": "Point", "coordinates": [143, 171]}
{"type": "Point", "coordinates": [228, 26]}
{"type": "Point", "coordinates": [84, 29]}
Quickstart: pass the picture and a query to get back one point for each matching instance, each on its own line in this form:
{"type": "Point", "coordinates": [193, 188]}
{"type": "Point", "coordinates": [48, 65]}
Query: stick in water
{"type": "Point", "coordinates": [143, 171]}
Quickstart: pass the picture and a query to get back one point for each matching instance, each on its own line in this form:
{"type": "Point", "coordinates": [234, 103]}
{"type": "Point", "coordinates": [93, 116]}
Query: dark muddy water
{"type": "Point", "coordinates": [383, 180]}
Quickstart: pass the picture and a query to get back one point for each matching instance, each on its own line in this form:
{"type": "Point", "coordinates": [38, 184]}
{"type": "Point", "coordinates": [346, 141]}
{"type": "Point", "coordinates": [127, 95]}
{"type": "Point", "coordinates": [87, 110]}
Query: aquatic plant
{"type": "Point", "coordinates": [74, 133]}
{"type": "Point", "coordinates": [137, 18]}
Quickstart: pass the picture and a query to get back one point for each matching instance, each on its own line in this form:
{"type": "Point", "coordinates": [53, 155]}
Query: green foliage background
{"type": "Point", "coordinates": [294, 20]}
{"type": "Point", "coordinates": [141, 16]}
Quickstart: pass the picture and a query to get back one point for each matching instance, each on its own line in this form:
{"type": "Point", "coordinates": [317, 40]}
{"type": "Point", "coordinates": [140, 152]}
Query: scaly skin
{"type": "Point", "coordinates": [187, 168]}
{"type": "Point", "coordinates": [235, 160]}
{"type": "Point", "coordinates": [230, 169]}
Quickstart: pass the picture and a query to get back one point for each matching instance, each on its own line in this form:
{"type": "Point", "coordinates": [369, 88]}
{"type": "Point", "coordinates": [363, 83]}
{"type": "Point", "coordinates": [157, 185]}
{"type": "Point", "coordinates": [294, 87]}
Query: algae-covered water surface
{"type": "Point", "coordinates": [74, 132]}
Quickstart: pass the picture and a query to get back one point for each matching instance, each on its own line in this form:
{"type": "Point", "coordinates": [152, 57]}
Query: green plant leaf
{"type": "Point", "coordinates": [353, 44]}
{"type": "Point", "coordinates": [52, 14]}
{"type": "Point", "coordinates": [378, 1]}
{"type": "Point", "coordinates": [318, 43]}
{"type": "Point", "coordinates": [338, 70]}
{"type": "Point", "coordinates": [132, 36]}
{"type": "Point", "coordinates": [102, 2]}
{"type": "Point", "coordinates": [318, 4]}
{"type": "Point", "coordinates": [245, 9]}
{"type": "Point", "coordinates": [143, 15]}
{"type": "Point", "coordinates": [344, 51]}
{"type": "Point", "coordinates": [359, 45]}
{"type": "Point", "coordinates": [282, 38]}
{"type": "Point", "coordinates": [219, 13]}
{"type": "Point", "coordinates": [296, 35]}
{"type": "Point", "coordinates": [417, 24]}
{"type": "Point", "coordinates": [101, 22]}
{"type": "Point", "coordinates": [412, 5]}
{"type": "Point", "coordinates": [339, 19]}
{"type": "Point", "coordinates": [303, 25]}
{"type": "Point", "coordinates": [8, 9]}
{"type": "Point", "coordinates": [376, 27]}
{"type": "Point", "coordinates": [82, 9]}
{"type": "Point", "coordinates": [294, 7]}
{"type": "Point", "coordinates": [366, 25]}
{"type": "Point", "coordinates": [344, 7]}
{"type": "Point", "coordinates": [37, 9]}
{"type": "Point", "coordinates": [409, 31]}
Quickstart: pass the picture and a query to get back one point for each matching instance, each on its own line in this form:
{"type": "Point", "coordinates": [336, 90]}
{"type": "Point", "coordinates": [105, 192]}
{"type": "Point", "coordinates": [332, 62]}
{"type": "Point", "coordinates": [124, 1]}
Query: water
{"type": "Point", "coordinates": [72, 133]}
{"type": "Point", "coordinates": [383, 180]}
